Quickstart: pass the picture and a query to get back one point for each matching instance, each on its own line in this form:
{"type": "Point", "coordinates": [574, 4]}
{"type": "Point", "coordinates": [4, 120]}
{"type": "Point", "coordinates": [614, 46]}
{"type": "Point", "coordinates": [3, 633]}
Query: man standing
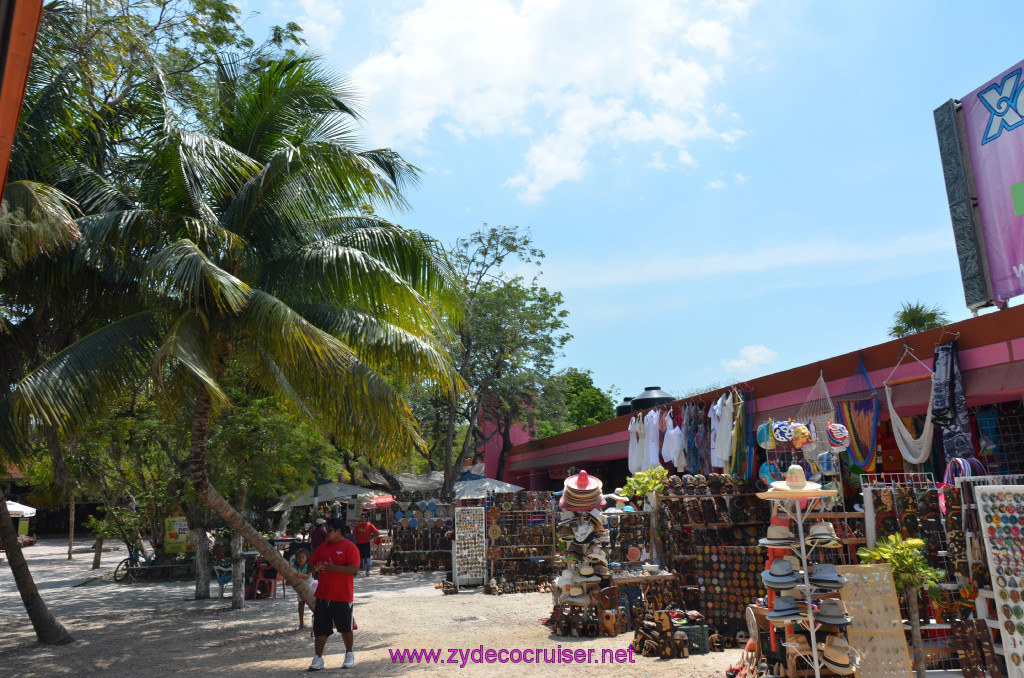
{"type": "Point", "coordinates": [319, 534]}
{"type": "Point", "coordinates": [364, 531]}
{"type": "Point", "coordinates": [336, 561]}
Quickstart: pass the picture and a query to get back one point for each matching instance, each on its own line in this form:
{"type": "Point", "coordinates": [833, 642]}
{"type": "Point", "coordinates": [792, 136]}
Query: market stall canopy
{"type": "Point", "coordinates": [19, 510]}
{"type": "Point", "coordinates": [477, 489]}
{"type": "Point", "coordinates": [382, 501]}
{"type": "Point", "coordinates": [326, 492]}
{"type": "Point", "coordinates": [426, 482]}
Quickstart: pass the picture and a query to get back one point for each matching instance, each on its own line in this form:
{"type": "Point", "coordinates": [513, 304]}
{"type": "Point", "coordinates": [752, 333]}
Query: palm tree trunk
{"type": "Point", "coordinates": [48, 630]}
{"type": "Point", "coordinates": [237, 571]}
{"type": "Point", "coordinates": [915, 632]}
{"type": "Point", "coordinates": [71, 523]}
{"type": "Point", "coordinates": [238, 566]}
{"type": "Point", "coordinates": [209, 496]}
{"type": "Point", "coordinates": [98, 555]}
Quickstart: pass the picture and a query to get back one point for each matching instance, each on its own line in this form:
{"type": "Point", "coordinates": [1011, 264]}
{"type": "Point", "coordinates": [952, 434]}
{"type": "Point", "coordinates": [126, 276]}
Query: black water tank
{"type": "Point", "coordinates": [624, 407]}
{"type": "Point", "coordinates": [652, 395]}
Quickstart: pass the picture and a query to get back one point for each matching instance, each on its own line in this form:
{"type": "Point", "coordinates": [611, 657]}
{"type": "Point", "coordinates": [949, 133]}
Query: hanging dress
{"type": "Point", "coordinates": [633, 458]}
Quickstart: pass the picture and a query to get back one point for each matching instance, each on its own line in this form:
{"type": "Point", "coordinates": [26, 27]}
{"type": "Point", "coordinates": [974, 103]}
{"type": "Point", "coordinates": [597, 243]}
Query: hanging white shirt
{"type": "Point", "coordinates": [723, 444]}
{"type": "Point", "coordinates": [671, 446]}
{"type": "Point", "coordinates": [633, 460]}
{"type": "Point", "coordinates": [715, 418]}
{"type": "Point", "coordinates": [652, 455]}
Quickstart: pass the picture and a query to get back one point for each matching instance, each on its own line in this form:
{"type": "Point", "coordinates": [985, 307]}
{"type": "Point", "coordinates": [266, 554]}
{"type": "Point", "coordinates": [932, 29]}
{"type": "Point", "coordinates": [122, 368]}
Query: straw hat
{"type": "Point", "coordinates": [795, 486]}
{"type": "Point", "coordinates": [838, 655]}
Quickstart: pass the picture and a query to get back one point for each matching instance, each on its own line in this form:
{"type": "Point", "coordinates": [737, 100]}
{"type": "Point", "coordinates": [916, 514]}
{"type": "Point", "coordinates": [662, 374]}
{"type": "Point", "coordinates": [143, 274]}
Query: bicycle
{"type": "Point", "coordinates": [132, 567]}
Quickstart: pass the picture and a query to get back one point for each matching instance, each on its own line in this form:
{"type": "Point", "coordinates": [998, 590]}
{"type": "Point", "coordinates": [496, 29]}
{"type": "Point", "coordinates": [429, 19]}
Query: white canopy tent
{"type": "Point", "coordinates": [478, 488]}
{"type": "Point", "coordinates": [19, 510]}
{"type": "Point", "coordinates": [326, 492]}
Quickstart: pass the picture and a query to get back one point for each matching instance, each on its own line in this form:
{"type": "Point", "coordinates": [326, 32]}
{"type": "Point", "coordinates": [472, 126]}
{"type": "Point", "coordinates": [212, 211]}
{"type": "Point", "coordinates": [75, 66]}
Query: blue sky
{"type": "Point", "coordinates": [723, 189]}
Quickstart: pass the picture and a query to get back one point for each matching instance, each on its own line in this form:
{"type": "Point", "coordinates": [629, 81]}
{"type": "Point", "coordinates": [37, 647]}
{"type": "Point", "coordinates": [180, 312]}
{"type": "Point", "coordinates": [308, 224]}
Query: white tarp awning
{"type": "Point", "coordinates": [477, 489]}
{"type": "Point", "coordinates": [19, 510]}
{"type": "Point", "coordinates": [326, 492]}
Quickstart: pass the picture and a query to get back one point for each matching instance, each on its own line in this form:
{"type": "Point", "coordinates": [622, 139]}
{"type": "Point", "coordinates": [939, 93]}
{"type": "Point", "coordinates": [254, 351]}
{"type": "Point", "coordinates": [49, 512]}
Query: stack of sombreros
{"type": "Point", "coordinates": [582, 492]}
{"type": "Point", "coordinates": [585, 539]}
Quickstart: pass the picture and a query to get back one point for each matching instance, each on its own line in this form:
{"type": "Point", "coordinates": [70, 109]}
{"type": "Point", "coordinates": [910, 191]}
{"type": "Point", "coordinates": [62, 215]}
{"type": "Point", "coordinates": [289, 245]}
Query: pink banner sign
{"type": "Point", "coordinates": [995, 137]}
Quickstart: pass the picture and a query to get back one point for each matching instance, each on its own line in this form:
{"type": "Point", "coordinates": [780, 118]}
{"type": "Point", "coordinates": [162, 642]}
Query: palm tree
{"type": "Point", "coordinates": [916, 317]}
{"type": "Point", "coordinates": [256, 243]}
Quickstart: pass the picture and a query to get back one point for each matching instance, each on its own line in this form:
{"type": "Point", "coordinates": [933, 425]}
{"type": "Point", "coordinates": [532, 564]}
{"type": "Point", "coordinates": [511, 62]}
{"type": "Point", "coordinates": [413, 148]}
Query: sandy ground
{"type": "Point", "coordinates": [156, 629]}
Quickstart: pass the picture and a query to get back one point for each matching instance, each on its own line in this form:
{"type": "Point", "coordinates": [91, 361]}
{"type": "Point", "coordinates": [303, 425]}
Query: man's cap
{"type": "Point", "coordinates": [320, 521]}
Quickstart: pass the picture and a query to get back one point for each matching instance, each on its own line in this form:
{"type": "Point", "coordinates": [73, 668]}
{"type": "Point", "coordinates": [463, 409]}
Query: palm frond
{"type": "Point", "coordinates": [299, 186]}
{"type": "Point", "coordinates": [415, 256]}
{"type": "Point", "coordinates": [183, 273]}
{"type": "Point", "coordinates": [417, 359]}
{"type": "Point", "coordinates": [321, 375]}
{"type": "Point", "coordinates": [187, 343]}
{"type": "Point", "coordinates": [78, 384]}
{"type": "Point", "coordinates": [326, 271]}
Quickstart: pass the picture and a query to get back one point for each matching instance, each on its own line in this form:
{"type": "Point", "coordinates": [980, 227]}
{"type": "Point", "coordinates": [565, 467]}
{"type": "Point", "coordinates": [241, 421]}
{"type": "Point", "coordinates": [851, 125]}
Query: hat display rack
{"type": "Point", "coordinates": [521, 552]}
{"type": "Point", "coordinates": [584, 541]}
{"type": "Point", "coordinates": [421, 533]}
{"type": "Point", "coordinates": [794, 497]}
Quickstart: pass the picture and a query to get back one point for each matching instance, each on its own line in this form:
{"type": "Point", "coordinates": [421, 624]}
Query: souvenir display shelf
{"type": "Point", "coordinates": [966, 522]}
{"type": "Point", "coordinates": [521, 541]}
{"type": "Point", "coordinates": [998, 515]}
{"type": "Point", "coordinates": [870, 596]}
{"type": "Point", "coordinates": [789, 502]}
{"type": "Point", "coordinates": [468, 550]}
{"type": "Point", "coordinates": [421, 536]}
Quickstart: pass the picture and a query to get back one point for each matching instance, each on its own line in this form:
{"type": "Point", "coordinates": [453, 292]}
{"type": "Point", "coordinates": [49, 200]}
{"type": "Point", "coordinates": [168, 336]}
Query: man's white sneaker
{"type": "Point", "coordinates": [350, 660]}
{"type": "Point", "coordinates": [317, 664]}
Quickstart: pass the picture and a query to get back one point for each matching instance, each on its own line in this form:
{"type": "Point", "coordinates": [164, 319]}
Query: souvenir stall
{"type": "Point", "coordinates": [421, 534]}
{"type": "Point", "coordinates": [521, 552]}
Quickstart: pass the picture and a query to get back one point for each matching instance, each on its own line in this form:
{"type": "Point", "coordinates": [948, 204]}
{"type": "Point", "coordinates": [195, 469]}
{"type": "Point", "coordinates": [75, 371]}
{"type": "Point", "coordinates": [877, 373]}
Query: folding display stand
{"type": "Point", "coordinates": [789, 503]}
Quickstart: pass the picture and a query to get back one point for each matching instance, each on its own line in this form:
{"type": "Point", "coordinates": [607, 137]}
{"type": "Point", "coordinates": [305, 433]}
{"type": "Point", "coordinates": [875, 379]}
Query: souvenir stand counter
{"type": "Point", "coordinates": [421, 534]}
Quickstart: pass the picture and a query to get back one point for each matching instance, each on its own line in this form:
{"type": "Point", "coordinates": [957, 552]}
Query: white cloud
{"type": "Point", "coordinates": [567, 76]}
{"type": "Point", "coordinates": [715, 185]}
{"type": "Point", "coordinates": [321, 22]}
{"type": "Point", "coordinates": [741, 179]}
{"type": "Point", "coordinates": [820, 258]}
{"type": "Point", "coordinates": [656, 162]}
{"type": "Point", "coordinates": [751, 358]}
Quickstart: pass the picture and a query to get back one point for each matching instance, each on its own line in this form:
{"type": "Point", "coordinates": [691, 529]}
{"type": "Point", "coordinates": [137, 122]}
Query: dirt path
{"type": "Point", "coordinates": [155, 629]}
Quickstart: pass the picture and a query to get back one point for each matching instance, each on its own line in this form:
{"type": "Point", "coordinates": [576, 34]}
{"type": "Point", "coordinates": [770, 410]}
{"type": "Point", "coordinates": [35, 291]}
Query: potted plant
{"type": "Point", "coordinates": [646, 484]}
{"type": "Point", "coordinates": [910, 572]}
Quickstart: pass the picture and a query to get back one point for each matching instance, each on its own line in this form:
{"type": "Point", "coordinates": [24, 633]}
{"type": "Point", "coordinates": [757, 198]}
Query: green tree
{"type": "Point", "coordinates": [572, 401]}
{"type": "Point", "coordinates": [504, 348]}
{"type": "Point", "coordinates": [254, 247]}
{"type": "Point", "coordinates": [916, 317]}
{"type": "Point", "coordinates": [102, 78]}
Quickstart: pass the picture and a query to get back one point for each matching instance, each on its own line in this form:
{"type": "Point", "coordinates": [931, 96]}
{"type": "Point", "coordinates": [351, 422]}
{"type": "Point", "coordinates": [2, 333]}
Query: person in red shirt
{"type": "Point", "coordinates": [336, 562]}
{"type": "Point", "coordinates": [364, 531]}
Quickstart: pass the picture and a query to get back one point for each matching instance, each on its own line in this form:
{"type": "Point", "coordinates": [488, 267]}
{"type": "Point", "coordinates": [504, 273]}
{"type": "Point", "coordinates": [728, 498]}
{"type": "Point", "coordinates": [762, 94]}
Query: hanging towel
{"type": "Point", "coordinates": [916, 451]}
{"type": "Point", "coordinates": [949, 403]}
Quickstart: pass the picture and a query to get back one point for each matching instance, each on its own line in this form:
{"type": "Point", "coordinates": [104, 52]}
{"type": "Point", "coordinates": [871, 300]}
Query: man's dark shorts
{"type": "Point", "coordinates": [331, 614]}
{"type": "Point", "coordinates": [364, 550]}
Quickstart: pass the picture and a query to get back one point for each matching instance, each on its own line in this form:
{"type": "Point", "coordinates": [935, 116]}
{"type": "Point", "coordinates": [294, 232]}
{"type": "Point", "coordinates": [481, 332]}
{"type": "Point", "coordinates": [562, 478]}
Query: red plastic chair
{"type": "Point", "coordinates": [271, 582]}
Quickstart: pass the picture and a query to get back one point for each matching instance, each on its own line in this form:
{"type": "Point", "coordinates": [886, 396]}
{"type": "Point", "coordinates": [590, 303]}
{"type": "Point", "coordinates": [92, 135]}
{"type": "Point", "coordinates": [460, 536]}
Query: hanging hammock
{"type": "Point", "coordinates": [914, 450]}
{"type": "Point", "coordinates": [857, 409]}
